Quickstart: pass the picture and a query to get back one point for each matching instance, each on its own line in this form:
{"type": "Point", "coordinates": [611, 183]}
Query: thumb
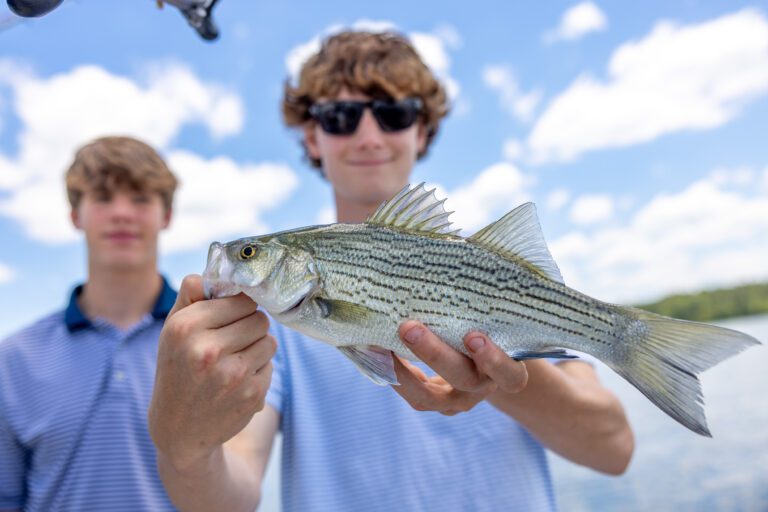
{"type": "Point", "coordinates": [191, 291]}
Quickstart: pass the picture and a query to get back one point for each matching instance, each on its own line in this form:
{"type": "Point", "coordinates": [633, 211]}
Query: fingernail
{"type": "Point", "coordinates": [413, 335]}
{"type": "Point", "coordinates": [475, 344]}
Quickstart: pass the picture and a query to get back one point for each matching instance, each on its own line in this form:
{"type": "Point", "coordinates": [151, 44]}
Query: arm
{"type": "Point", "coordinates": [213, 371]}
{"type": "Point", "coordinates": [562, 405]}
{"type": "Point", "coordinates": [230, 477]}
{"type": "Point", "coordinates": [12, 467]}
{"type": "Point", "coordinates": [567, 409]}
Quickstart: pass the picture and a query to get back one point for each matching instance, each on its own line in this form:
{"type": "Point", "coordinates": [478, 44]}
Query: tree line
{"type": "Point", "coordinates": [711, 305]}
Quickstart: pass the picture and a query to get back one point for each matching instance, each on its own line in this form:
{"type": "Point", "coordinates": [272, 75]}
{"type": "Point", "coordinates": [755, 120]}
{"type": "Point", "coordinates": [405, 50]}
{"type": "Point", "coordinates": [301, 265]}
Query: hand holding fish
{"type": "Point", "coordinates": [213, 371]}
{"type": "Point", "coordinates": [461, 381]}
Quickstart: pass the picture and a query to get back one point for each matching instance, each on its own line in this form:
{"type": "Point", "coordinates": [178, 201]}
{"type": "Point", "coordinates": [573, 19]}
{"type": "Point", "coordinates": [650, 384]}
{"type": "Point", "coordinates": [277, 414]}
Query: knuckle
{"type": "Point", "coordinates": [179, 329]}
{"type": "Point", "coordinates": [516, 385]}
{"type": "Point", "coordinates": [234, 377]}
{"type": "Point", "coordinates": [204, 356]}
{"type": "Point", "coordinates": [188, 280]}
{"type": "Point", "coordinates": [420, 405]}
{"type": "Point", "coordinates": [473, 382]}
{"type": "Point", "coordinates": [262, 319]}
{"type": "Point", "coordinates": [270, 344]}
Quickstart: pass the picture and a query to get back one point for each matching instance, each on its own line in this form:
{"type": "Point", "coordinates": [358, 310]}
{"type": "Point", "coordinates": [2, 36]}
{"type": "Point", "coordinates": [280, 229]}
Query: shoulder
{"type": "Point", "coordinates": [35, 348]}
{"type": "Point", "coordinates": [35, 334]}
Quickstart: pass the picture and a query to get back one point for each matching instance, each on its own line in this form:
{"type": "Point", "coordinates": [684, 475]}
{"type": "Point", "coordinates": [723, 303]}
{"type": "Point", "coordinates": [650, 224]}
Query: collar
{"type": "Point", "coordinates": [75, 320]}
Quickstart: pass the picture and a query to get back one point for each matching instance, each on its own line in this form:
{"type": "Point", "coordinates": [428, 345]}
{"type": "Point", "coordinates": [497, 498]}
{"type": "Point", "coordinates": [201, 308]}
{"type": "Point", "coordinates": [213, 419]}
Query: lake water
{"type": "Point", "coordinates": [672, 469]}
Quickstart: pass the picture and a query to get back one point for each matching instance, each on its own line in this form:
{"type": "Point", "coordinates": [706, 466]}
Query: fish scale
{"type": "Point", "coordinates": [366, 262]}
{"type": "Point", "coordinates": [352, 285]}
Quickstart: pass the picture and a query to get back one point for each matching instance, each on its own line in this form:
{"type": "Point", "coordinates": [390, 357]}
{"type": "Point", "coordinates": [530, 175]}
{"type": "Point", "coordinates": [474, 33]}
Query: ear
{"type": "Point", "coordinates": [167, 216]}
{"type": "Point", "coordinates": [421, 141]}
{"type": "Point", "coordinates": [75, 218]}
{"type": "Point", "coordinates": [310, 140]}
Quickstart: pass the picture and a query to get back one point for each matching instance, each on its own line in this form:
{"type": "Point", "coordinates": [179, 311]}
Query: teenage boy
{"type": "Point", "coordinates": [368, 108]}
{"type": "Point", "coordinates": [75, 385]}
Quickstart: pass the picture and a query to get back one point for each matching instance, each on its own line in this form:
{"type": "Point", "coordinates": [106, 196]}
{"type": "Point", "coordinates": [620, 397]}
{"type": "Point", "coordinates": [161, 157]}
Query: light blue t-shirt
{"type": "Point", "coordinates": [349, 444]}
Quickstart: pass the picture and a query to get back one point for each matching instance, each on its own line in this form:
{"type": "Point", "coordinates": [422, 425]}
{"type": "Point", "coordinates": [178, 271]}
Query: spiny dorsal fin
{"type": "Point", "coordinates": [518, 236]}
{"type": "Point", "coordinates": [414, 209]}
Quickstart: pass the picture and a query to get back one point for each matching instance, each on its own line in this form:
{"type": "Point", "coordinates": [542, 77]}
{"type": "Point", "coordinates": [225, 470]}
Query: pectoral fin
{"type": "Point", "coordinates": [343, 311]}
{"type": "Point", "coordinates": [374, 362]}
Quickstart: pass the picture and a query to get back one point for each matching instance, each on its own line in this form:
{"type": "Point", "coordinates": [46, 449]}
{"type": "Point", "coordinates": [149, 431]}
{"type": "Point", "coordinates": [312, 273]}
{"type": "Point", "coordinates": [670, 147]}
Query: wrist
{"type": "Point", "coordinates": [190, 462]}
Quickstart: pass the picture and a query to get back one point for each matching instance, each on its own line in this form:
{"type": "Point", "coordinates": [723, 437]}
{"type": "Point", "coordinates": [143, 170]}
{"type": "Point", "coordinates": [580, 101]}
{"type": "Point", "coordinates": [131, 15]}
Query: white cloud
{"type": "Point", "coordinates": [576, 22]}
{"type": "Point", "coordinates": [512, 149]}
{"type": "Point", "coordinates": [590, 209]}
{"type": "Point", "coordinates": [431, 47]}
{"type": "Point", "coordinates": [326, 216]}
{"type": "Point", "coordinates": [6, 274]}
{"type": "Point", "coordinates": [495, 191]}
{"type": "Point", "coordinates": [502, 79]}
{"type": "Point", "coordinates": [765, 181]}
{"type": "Point", "coordinates": [709, 234]}
{"type": "Point", "coordinates": [677, 78]}
{"type": "Point", "coordinates": [220, 199]}
{"type": "Point", "coordinates": [739, 177]}
{"type": "Point", "coordinates": [557, 199]}
{"type": "Point", "coordinates": [449, 35]}
{"type": "Point", "coordinates": [217, 197]}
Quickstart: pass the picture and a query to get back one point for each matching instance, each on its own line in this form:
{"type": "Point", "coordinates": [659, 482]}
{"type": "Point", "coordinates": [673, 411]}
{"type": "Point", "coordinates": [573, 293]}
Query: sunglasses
{"type": "Point", "coordinates": [343, 117]}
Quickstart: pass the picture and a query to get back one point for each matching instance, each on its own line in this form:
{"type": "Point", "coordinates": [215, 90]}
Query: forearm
{"type": "Point", "coordinates": [223, 481]}
{"type": "Point", "coordinates": [569, 412]}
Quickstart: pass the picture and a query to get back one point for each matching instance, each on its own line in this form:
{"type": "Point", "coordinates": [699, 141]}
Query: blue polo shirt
{"type": "Point", "coordinates": [74, 395]}
{"type": "Point", "coordinates": [350, 445]}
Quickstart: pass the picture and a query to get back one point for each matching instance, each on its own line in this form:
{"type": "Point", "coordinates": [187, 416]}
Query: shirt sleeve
{"type": "Point", "coordinates": [12, 468]}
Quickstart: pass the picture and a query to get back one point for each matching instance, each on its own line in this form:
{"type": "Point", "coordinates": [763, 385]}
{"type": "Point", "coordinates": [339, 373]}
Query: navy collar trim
{"type": "Point", "coordinates": [75, 320]}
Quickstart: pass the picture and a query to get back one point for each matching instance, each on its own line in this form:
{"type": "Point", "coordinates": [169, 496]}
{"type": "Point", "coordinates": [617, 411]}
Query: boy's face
{"type": "Point", "coordinates": [370, 165]}
{"type": "Point", "coordinates": [121, 227]}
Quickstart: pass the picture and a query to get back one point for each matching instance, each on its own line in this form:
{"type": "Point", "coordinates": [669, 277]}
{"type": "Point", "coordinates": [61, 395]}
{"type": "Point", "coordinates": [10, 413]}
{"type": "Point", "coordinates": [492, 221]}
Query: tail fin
{"type": "Point", "coordinates": [663, 363]}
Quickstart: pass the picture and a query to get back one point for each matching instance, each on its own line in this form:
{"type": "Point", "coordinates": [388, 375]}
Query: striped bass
{"type": "Point", "coordinates": [352, 285]}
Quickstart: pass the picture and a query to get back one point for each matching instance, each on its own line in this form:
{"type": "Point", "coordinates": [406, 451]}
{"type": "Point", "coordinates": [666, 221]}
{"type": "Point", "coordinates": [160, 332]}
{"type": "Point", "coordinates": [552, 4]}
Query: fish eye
{"type": "Point", "coordinates": [247, 252]}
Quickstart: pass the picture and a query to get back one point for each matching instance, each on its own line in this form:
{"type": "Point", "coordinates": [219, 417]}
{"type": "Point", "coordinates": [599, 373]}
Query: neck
{"type": "Point", "coordinates": [353, 212]}
{"type": "Point", "coordinates": [121, 297]}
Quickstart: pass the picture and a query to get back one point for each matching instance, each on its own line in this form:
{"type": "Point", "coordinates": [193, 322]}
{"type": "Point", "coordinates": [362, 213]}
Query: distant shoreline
{"type": "Point", "coordinates": [710, 305]}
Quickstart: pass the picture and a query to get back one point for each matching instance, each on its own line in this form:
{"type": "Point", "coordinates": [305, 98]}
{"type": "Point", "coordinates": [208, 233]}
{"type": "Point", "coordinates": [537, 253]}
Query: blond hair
{"type": "Point", "coordinates": [108, 164]}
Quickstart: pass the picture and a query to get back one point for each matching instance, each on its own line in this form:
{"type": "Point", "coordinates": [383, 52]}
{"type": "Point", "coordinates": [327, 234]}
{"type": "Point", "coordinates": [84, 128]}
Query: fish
{"type": "Point", "coordinates": [352, 285]}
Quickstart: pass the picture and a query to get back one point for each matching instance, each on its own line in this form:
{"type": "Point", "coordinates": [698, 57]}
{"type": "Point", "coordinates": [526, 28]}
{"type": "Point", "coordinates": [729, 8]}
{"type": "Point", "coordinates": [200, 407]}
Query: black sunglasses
{"type": "Point", "coordinates": [342, 117]}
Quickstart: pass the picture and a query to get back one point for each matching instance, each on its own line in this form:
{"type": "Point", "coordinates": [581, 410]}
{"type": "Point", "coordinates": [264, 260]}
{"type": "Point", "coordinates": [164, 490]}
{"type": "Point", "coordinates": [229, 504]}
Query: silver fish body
{"type": "Point", "coordinates": [352, 285]}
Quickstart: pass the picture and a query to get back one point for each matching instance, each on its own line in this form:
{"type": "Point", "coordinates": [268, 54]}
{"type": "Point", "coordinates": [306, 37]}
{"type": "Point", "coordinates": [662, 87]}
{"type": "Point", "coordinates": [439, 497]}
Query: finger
{"type": "Point", "coordinates": [456, 368]}
{"type": "Point", "coordinates": [418, 372]}
{"type": "Point", "coordinates": [216, 313]}
{"type": "Point", "coordinates": [238, 335]}
{"type": "Point", "coordinates": [258, 354]}
{"type": "Point", "coordinates": [414, 386]}
{"type": "Point", "coordinates": [191, 290]}
{"type": "Point", "coordinates": [432, 394]}
{"type": "Point", "coordinates": [510, 375]}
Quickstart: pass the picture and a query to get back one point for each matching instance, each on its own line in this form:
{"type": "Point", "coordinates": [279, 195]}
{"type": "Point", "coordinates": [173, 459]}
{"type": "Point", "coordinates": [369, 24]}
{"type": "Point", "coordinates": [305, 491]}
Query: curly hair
{"type": "Point", "coordinates": [379, 65]}
{"type": "Point", "coordinates": [111, 163]}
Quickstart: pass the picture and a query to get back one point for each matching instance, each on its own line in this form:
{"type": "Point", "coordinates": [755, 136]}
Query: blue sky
{"type": "Point", "coordinates": [637, 128]}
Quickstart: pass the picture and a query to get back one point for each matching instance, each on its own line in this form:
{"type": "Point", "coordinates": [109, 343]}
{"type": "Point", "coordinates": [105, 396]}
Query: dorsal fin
{"type": "Point", "coordinates": [518, 236]}
{"type": "Point", "coordinates": [414, 209]}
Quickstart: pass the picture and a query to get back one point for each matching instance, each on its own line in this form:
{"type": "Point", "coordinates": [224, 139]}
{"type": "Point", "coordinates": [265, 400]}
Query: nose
{"type": "Point", "coordinates": [368, 134]}
{"type": "Point", "coordinates": [121, 206]}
